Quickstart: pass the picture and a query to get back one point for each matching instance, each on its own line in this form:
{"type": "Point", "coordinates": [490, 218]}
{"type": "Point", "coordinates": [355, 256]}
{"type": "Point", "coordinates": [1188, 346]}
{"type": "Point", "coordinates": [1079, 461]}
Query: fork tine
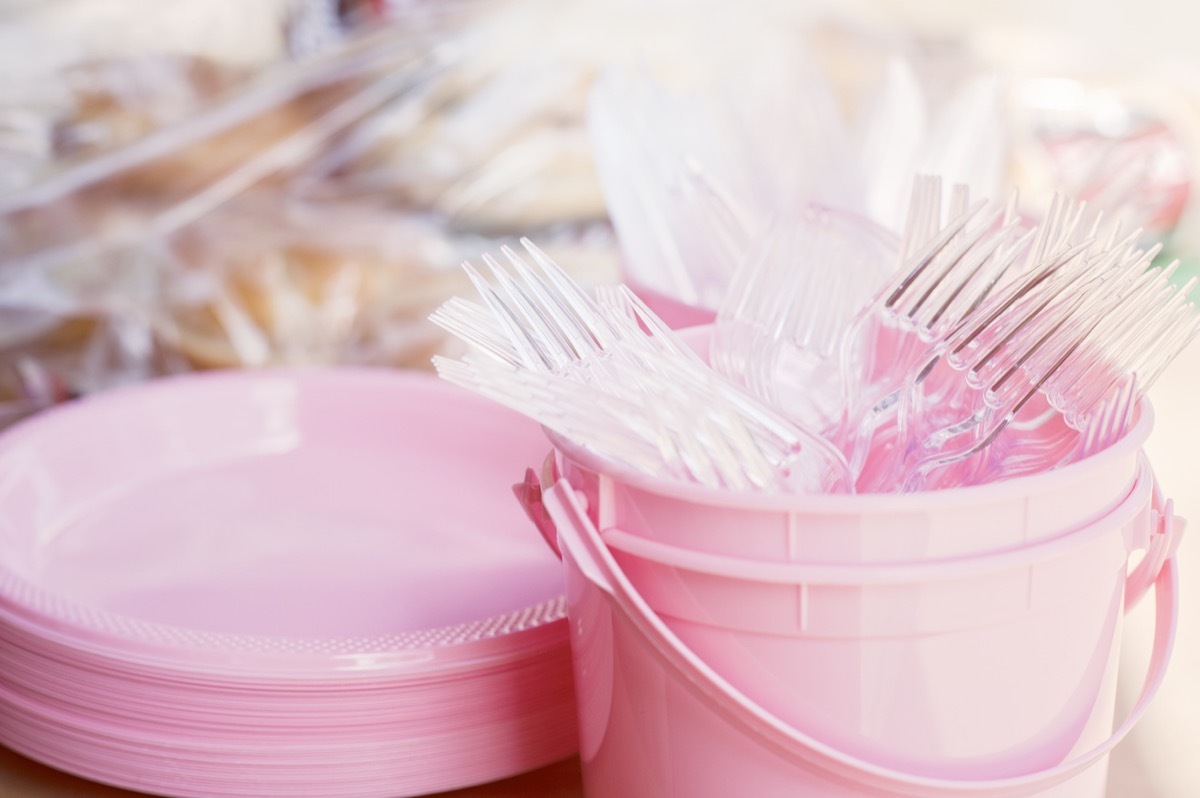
{"type": "Point", "coordinates": [1120, 411]}
{"type": "Point", "coordinates": [1132, 311]}
{"type": "Point", "coordinates": [989, 259]}
{"type": "Point", "coordinates": [530, 353]}
{"type": "Point", "coordinates": [1112, 418]}
{"type": "Point", "coordinates": [1005, 259]}
{"type": "Point", "coordinates": [1145, 352]}
{"type": "Point", "coordinates": [1029, 346]}
{"type": "Point", "coordinates": [1140, 295]}
{"type": "Point", "coordinates": [963, 246]}
{"type": "Point", "coordinates": [960, 197]}
{"type": "Point", "coordinates": [1012, 208]}
{"type": "Point", "coordinates": [993, 316]}
{"type": "Point", "coordinates": [1058, 227]}
{"type": "Point", "coordinates": [1184, 331]}
{"type": "Point", "coordinates": [555, 349]}
{"type": "Point", "coordinates": [475, 325]}
{"type": "Point", "coordinates": [1102, 311]}
{"type": "Point", "coordinates": [1051, 328]}
{"type": "Point", "coordinates": [929, 254]}
{"type": "Point", "coordinates": [573, 295]}
{"type": "Point", "coordinates": [570, 328]}
{"type": "Point", "coordinates": [1168, 326]}
{"type": "Point", "coordinates": [1110, 296]}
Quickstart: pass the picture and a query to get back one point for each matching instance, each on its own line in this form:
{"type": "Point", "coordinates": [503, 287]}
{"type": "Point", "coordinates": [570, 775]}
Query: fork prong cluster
{"type": "Point", "coordinates": [1081, 314]}
{"type": "Point", "coordinates": [985, 314]}
{"type": "Point", "coordinates": [590, 367]}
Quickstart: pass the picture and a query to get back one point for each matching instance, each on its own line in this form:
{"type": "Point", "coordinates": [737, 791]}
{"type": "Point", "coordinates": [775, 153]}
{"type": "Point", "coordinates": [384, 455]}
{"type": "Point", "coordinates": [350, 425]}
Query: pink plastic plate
{"type": "Point", "coordinates": [297, 523]}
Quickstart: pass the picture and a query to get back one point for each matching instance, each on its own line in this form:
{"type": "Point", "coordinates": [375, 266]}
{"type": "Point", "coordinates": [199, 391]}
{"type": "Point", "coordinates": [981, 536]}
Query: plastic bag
{"type": "Point", "coordinates": [242, 235]}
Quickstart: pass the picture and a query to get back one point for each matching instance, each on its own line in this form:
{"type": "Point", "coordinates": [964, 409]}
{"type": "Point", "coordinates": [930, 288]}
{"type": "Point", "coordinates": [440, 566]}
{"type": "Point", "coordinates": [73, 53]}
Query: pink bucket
{"type": "Point", "coordinates": [924, 667]}
{"type": "Point", "coordinates": [956, 642]}
{"type": "Point", "coordinates": [659, 718]}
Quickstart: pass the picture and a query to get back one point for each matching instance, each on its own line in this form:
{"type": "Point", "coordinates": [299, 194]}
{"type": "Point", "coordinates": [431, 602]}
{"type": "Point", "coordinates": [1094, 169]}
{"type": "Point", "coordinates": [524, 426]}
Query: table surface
{"type": "Point", "coordinates": [1158, 760]}
{"type": "Point", "coordinates": [23, 778]}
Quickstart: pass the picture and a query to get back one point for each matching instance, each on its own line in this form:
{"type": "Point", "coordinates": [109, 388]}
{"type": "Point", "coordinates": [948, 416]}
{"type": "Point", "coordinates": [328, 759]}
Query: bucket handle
{"type": "Point", "coordinates": [1158, 568]}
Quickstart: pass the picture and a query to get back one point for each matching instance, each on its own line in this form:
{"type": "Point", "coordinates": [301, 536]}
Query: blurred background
{"type": "Point", "coordinates": [229, 184]}
{"type": "Point", "coordinates": [161, 169]}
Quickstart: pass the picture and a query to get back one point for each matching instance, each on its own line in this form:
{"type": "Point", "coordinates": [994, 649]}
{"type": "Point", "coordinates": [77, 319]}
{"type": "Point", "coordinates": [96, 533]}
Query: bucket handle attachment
{"type": "Point", "coordinates": [1166, 530]}
{"type": "Point", "coordinates": [529, 495]}
{"type": "Point", "coordinates": [1158, 568]}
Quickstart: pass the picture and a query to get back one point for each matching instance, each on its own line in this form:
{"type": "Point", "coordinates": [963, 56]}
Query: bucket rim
{"type": "Point", "coordinates": [865, 503]}
{"type": "Point", "coordinates": [952, 568]}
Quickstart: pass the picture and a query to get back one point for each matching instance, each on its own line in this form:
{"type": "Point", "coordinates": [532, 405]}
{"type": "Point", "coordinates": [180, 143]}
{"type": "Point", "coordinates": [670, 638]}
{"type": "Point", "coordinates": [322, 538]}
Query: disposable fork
{"type": "Point", "coordinates": [1061, 344]}
{"type": "Point", "coordinates": [936, 398]}
{"type": "Point", "coordinates": [973, 407]}
{"type": "Point", "coordinates": [1140, 337]}
{"type": "Point", "coordinates": [663, 420]}
{"type": "Point", "coordinates": [543, 320]}
{"type": "Point", "coordinates": [654, 156]}
{"type": "Point", "coordinates": [1047, 441]}
{"type": "Point", "coordinates": [997, 267]}
{"type": "Point", "coordinates": [1110, 421]}
{"type": "Point", "coordinates": [791, 299]}
{"type": "Point", "coordinates": [948, 272]}
{"type": "Point", "coordinates": [539, 321]}
{"type": "Point", "coordinates": [638, 429]}
{"type": "Point", "coordinates": [1038, 439]}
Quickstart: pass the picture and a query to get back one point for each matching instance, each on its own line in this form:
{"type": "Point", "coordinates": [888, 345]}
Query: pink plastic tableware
{"type": "Point", "coordinates": [273, 583]}
{"type": "Point", "coordinates": [990, 665]}
{"type": "Point", "coordinates": [656, 719]}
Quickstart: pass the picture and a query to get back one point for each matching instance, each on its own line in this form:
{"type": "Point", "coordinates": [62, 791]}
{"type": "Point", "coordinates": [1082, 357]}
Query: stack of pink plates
{"type": "Point", "coordinates": [303, 583]}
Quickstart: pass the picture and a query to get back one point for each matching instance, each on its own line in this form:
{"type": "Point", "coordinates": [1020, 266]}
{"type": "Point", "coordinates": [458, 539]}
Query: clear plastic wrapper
{"type": "Point", "coordinates": [317, 210]}
{"type": "Point", "coordinates": [97, 104]}
{"type": "Point", "coordinates": [247, 233]}
{"type": "Point", "coordinates": [79, 76]}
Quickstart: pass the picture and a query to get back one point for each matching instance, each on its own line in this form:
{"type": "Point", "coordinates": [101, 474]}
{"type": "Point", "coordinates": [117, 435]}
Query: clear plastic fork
{"type": "Point", "coordinates": [779, 328]}
{"type": "Point", "coordinates": [647, 427]}
{"type": "Point", "coordinates": [1039, 439]}
{"type": "Point", "coordinates": [1072, 344]}
{"type": "Point", "coordinates": [1110, 421]}
{"type": "Point", "coordinates": [536, 319]}
{"type": "Point", "coordinates": [949, 270]}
